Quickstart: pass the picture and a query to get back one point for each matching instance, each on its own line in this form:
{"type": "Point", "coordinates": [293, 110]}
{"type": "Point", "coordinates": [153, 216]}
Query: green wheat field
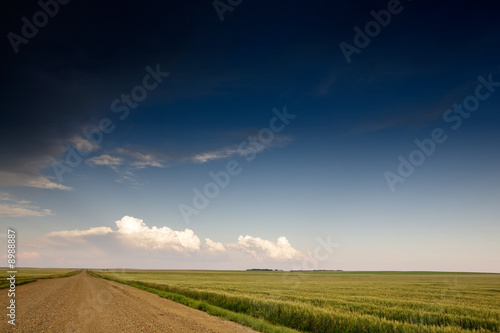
{"type": "Point", "coordinates": [27, 275]}
{"type": "Point", "coordinates": [272, 301]}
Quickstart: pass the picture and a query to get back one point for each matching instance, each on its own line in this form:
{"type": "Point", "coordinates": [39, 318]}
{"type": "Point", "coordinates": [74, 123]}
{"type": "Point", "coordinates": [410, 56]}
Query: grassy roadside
{"type": "Point", "coordinates": [243, 319]}
{"type": "Point", "coordinates": [20, 279]}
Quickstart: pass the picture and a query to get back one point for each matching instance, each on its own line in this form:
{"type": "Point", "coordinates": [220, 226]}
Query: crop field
{"type": "Point", "coordinates": [336, 301]}
{"type": "Point", "coordinates": [26, 275]}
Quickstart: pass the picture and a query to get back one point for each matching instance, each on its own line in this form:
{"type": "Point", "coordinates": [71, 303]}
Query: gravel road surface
{"type": "Point", "coordinates": [82, 303]}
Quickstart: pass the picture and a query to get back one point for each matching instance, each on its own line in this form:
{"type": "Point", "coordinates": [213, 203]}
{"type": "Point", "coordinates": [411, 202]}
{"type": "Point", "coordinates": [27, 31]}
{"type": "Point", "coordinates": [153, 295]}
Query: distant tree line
{"type": "Point", "coordinates": [317, 270]}
{"type": "Point", "coordinates": [300, 270]}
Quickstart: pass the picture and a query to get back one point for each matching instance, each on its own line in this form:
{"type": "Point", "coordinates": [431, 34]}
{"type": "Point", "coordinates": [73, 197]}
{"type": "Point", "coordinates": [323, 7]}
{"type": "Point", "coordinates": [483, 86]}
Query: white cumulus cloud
{"type": "Point", "coordinates": [137, 232]}
{"type": "Point", "coordinates": [133, 233]}
{"type": "Point", "coordinates": [262, 248]}
{"type": "Point", "coordinates": [214, 246]}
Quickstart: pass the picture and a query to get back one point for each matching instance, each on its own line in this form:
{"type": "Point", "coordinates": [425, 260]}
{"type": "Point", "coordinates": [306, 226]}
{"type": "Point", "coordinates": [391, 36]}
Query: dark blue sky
{"type": "Point", "coordinates": [335, 168]}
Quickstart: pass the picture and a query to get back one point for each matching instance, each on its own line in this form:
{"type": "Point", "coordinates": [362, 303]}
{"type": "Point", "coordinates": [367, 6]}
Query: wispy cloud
{"type": "Point", "coordinates": [28, 171]}
{"type": "Point", "coordinates": [114, 163]}
{"type": "Point", "coordinates": [126, 162]}
{"type": "Point", "coordinates": [8, 178]}
{"type": "Point", "coordinates": [142, 160]}
{"type": "Point", "coordinates": [14, 210]}
{"type": "Point", "coordinates": [80, 233]}
{"type": "Point", "coordinates": [105, 160]}
{"type": "Point", "coordinates": [13, 207]}
{"type": "Point", "coordinates": [82, 144]}
{"type": "Point", "coordinates": [235, 150]}
{"type": "Point", "coordinates": [217, 155]}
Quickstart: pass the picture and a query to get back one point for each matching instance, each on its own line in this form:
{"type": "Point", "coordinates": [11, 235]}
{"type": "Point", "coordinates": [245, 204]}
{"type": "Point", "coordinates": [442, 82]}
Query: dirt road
{"type": "Point", "coordinates": [82, 303]}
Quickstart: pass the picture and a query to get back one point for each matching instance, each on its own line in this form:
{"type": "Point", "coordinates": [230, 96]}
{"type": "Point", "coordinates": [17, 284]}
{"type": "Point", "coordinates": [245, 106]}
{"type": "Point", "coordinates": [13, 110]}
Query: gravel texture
{"type": "Point", "coordinates": [82, 303]}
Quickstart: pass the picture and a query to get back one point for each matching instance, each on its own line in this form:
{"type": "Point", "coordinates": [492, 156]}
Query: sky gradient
{"type": "Point", "coordinates": [116, 116]}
